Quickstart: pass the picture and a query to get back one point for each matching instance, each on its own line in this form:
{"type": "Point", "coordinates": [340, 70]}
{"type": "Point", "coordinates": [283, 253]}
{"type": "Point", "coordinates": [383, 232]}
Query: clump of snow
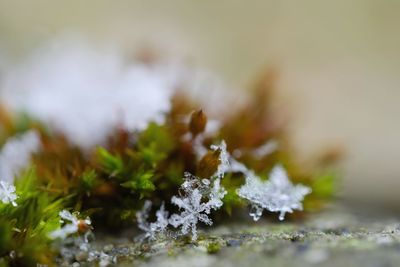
{"type": "Point", "coordinates": [277, 194]}
{"type": "Point", "coordinates": [84, 91]}
{"type": "Point", "coordinates": [69, 228]}
{"type": "Point", "coordinates": [7, 193]}
{"type": "Point", "coordinates": [16, 153]}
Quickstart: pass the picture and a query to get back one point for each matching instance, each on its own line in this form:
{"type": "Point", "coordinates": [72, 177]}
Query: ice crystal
{"type": "Point", "coordinates": [266, 149]}
{"type": "Point", "coordinates": [216, 195]}
{"type": "Point", "coordinates": [199, 197]}
{"type": "Point", "coordinates": [193, 212]}
{"type": "Point", "coordinates": [16, 153]}
{"type": "Point", "coordinates": [154, 228]}
{"type": "Point", "coordinates": [71, 227]}
{"type": "Point", "coordinates": [224, 165]}
{"type": "Point", "coordinates": [200, 150]}
{"type": "Point", "coordinates": [196, 200]}
{"type": "Point", "coordinates": [102, 258]}
{"type": "Point", "coordinates": [73, 247]}
{"type": "Point", "coordinates": [7, 193]}
{"type": "Point", "coordinates": [277, 194]}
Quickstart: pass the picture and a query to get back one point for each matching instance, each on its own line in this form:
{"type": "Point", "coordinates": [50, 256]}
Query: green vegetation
{"type": "Point", "coordinates": [110, 183]}
{"type": "Point", "coordinates": [24, 229]}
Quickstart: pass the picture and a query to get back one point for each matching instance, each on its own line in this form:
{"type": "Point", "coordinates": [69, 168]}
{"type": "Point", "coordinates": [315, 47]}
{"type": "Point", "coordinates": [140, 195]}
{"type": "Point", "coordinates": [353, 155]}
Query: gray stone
{"type": "Point", "coordinates": [336, 237]}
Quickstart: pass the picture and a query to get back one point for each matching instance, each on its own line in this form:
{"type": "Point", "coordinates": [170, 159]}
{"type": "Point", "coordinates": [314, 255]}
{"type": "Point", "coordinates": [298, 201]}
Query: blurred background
{"type": "Point", "coordinates": [338, 63]}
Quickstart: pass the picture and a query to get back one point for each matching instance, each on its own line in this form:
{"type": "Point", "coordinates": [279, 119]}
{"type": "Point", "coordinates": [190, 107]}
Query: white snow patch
{"type": "Point", "coordinates": [16, 153]}
{"type": "Point", "coordinates": [84, 91]}
{"type": "Point", "coordinates": [7, 193]}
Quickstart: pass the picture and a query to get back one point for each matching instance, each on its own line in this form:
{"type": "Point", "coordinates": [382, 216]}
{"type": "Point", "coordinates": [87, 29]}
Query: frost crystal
{"type": "Point", "coordinates": [212, 128]}
{"type": "Point", "coordinates": [266, 149]}
{"type": "Point", "coordinates": [277, 194]}
{"type": "Point", "coordinates": [199, 198]}
{"type": "Point", "coordinates": [193, 212]}
{"type": "Point", "coordinates": [7, 193]}
{"type": "Point", "coordinates": [224, 165]}
{"type": "Point", "coordinates": [154, 228]}
{"type": "Point", "coordinates": [15, 154]}
{"type": "Point", "coordinates": [102, 258]}
{"type": "Point", "coordinates": [69, 228]}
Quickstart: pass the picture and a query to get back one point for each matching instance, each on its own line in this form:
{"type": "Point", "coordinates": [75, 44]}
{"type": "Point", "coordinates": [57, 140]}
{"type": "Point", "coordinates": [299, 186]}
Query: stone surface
{"type": "Point", "coordinates": [336, 237]}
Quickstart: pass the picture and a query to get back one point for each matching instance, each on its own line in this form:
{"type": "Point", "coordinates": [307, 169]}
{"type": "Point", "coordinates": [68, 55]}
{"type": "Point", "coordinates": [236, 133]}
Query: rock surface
{"type": "Point", "coordinates": [334, 238]}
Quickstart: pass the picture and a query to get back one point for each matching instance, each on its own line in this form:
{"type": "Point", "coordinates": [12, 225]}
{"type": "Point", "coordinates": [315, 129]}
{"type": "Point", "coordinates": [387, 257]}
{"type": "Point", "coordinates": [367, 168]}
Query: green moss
{"type": "Point", "coordinates": [325, 185]}
{"type": "Point", "coordinates": [213, 248]}
{"type": "Point", "coordinates": [109, 163]}
{"type": "Point", "coordinates": [25, 228]}
{"type": "Point", "coordinates": [111, 182]}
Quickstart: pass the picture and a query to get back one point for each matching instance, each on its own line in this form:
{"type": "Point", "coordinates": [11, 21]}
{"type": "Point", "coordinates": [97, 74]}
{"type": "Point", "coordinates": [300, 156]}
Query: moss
{"type": "Point", "coordinates": [111, 182]}
{"type": "Point", "coordinates": [213, 248]}
{"type": "Point", "coordinates": [25, 228]}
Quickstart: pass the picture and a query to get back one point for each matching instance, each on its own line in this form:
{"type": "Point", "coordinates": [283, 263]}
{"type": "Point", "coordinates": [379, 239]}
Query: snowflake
{"type": "Point", "coordinates": [224, 165]}
{"type": "Point", "coordinates": [7, 193]}
{"type": "Point", "coordinates": [217, 193]}
{"type": "Point", "coordinates": [151, 229]}
{"type": "Point", "coordinates": [266, 149]}
{"type": "Point", "coordinates": [277, 194]}
{"type": "Point", "coordinates": [199, 198]}
{"type": "Point", "coordinates": [74, 226]}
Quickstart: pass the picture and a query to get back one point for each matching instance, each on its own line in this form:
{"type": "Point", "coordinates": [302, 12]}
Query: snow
{"type": "Point", "coordinates": [224, 165]}
{"type": "Point", "coordinates": [154, 228]}
{"type": "Point", "coordinates": [199, 198]}
{"type": "Point", "coordinates": [84, 91]}
{"type": "Point", "coordinates": [193, 212]}
{"type": "Point", "coordinates": [7, 193]}
{"type": "Point", "coordinates": [69, 228]}
{"type": "Point", "coordinates": [277, 194]}
{"type": "Point", "coordinates": [16, 153]}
